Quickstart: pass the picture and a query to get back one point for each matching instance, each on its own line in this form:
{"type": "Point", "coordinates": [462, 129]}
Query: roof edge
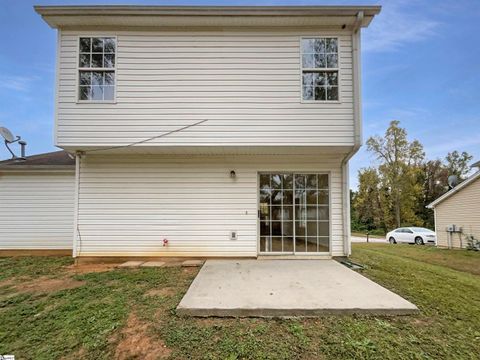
{"type": "Point", "coordinates": [16, 168]}
{"type": "Point", "coordinates": [64, 16]}
{"type": "Point", "coordinates": [454, 190]}
{"type": "Point", "coordinates": [205, 10]}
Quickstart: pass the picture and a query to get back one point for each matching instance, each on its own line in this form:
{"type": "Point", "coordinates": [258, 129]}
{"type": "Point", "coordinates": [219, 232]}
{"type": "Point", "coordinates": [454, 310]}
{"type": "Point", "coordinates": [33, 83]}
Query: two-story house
{"type": "Point", "coordinates": [209, 131]}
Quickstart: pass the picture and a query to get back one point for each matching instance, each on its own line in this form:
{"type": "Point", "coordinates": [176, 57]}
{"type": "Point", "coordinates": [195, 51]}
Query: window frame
{"type": "Point", "coordinates": [78, 69]}
{"type": "Point", "coordinates": [281, 170]}
{"type": "Point", "coordinates": [337, 69]}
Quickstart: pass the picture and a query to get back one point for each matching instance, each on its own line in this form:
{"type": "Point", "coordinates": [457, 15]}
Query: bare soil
{"type": "Point", "coordinates": [166, 291]}
{"type": "Point", "coordinates": [90, 268]}
{"type": "Point", "coordinates": [48, 285]}
{"type": "Point", "coordinates": [190, 270]}
{"type": "Point", "coordinates": [136, 343]}
{"type": "Point", "coordinates": [7, 282]}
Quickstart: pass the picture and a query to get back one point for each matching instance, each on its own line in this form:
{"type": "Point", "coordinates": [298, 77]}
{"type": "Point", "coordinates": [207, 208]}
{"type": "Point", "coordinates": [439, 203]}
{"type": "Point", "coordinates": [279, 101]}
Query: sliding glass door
{"type": "Point", "coordinates": [294, 213]}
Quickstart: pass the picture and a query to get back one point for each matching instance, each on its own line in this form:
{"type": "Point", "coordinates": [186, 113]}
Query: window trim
{"type": "Point", "coordinates": [78, 69]}
{"type": "Point", "coordinates": [339, 100]}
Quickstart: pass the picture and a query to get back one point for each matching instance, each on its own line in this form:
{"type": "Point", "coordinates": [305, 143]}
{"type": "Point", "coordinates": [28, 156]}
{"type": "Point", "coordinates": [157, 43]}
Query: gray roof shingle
{"type": "Point", "coordinates": [51, 159]}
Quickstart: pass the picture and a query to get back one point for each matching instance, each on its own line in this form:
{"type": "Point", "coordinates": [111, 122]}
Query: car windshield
{"type": "Point", "coordinates": [419, 229]}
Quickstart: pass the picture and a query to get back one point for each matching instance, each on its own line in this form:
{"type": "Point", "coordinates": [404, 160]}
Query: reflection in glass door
{"type": "Point", "coordinates": [294, 213]}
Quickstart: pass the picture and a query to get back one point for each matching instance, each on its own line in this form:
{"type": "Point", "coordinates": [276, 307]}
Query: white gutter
{"type": "Point", "coordinates": [138, 10]}
{"type": "Point", "coordinates": [76, 243]}
{"type": "Point", "coordinates": [357, 118]}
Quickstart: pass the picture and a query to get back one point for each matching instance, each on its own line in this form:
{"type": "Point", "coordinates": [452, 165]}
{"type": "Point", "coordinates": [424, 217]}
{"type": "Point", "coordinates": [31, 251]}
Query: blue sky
{"type": "Point", "coordinates": [420, 61]}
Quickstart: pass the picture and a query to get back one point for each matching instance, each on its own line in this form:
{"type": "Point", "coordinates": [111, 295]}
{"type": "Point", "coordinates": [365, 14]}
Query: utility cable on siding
{"type": "Point", "coordinates": [145, 140]}
{"type": "Point", "coordinates": [78, 234]}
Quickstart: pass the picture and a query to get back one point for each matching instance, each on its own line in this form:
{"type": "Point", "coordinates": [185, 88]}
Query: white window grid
{"type": "Point", "coordinates": [83, 69]}
{"type": "Point", "coordinates": [325, 70]}
{"type": "Point", "coordinates": [317, 220]}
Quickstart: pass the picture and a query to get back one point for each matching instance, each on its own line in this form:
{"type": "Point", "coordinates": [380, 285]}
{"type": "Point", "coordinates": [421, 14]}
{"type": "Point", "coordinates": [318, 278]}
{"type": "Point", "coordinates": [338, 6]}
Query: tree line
{"type": "Point", "coordinates": [395, 192]}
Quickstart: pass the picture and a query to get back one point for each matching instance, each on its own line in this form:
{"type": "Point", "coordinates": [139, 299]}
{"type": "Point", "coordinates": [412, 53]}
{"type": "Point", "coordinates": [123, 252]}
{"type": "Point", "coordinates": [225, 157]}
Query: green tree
{"type": "Point", "coordinates": [367, 201]}
{"type": "Point", "coordinates": [396, 192]}
{"type": "Point", "coordinates": [458, 163]}
{"type": "Point", "coordinates": [400, 162]}
{"type": "Point", "coordinates": [433, 180]}
{"type": "Point", "coordinates": [356, 224]}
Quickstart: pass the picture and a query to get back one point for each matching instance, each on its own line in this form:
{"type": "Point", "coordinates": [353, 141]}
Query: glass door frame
{"type": "Point", "coordinates": [294, 252]}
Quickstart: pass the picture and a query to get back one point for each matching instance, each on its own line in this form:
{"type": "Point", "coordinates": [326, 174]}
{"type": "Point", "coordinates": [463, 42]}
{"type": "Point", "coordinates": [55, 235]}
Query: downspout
{"type": "Point", "coordinates": [76, 234]}
{"type": "Point", "coordinates": [357, 122]}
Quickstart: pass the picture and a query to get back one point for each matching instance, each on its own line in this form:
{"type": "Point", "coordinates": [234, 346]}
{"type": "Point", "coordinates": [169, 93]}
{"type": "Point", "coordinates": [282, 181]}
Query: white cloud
{"type": "Point", "coordinates": [460, 144]}
{"type": "Point", "coordinates": [17, 83]}
{"type": "Point", "coordinates": [406, 113]}
{"type": "Point", "coordinates": [398, 24]}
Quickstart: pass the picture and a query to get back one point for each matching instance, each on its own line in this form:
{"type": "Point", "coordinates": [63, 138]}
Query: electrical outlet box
{"type": "Point", "coordinates": [233, 235]}
{"type": "Point", "coordinates": [453, 228]}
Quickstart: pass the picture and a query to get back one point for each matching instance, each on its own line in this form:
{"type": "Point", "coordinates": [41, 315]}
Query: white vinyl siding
{"type": "Point", "coordinates": [128, 204]}
{"type": "Point", "coordinates": [246, 83]}
{"type": "Point", "coordinates": [460, 209]}
{"type": "Point", "coordinates": [36, 210]}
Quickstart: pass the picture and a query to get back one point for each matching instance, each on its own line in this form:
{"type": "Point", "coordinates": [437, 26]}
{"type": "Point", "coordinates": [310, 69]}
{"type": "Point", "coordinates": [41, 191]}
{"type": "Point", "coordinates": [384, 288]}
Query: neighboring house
{"type": "Point", "coordinates": [266, 173]}
{"type": "Point", "coordinates": [460, 207]}
{"type": "Point", "coordinates": [36, 203]}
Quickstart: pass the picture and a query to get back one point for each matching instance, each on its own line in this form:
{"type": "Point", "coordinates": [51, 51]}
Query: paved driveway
{"type": "Point", "coordinates": [286, 288]}
{"type": "Point", "coordinates": [360, 239]}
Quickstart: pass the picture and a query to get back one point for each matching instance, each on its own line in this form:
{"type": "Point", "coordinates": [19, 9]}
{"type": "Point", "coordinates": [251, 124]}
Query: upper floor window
{"type": "Point", "coordinates": [320, 69]}
{"type": "Point", "coordinates": [96, 68]}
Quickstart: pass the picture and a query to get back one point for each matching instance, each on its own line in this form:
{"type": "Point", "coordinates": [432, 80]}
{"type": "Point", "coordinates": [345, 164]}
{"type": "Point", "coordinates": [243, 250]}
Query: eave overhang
{"type": "Point", "coordinates": [205, 16]}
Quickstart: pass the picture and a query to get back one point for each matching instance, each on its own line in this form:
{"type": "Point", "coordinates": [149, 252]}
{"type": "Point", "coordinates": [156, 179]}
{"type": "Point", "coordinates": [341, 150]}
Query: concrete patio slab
{"type": "Point", "coordinates": [153, 264]}
{"type": "Point", "coordinates": [286, 288]}
{"type": "Point", "coordinates": [131, 264]}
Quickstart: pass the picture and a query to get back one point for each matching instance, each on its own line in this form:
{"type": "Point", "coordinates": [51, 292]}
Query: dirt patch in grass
{"type": "Point", "coordinates": [136, 343]}
{"type": "Point", "coordinates": [7, 282]}
{"type": "Point", "coordinates": [421, 321]}
{"type": "Point", "coordinates": [190, 270]}
{"type": "Point", "coordinates": [166, 291]}
{"type": "Point", "coordinates": [48, 285]}
{"type": "Point", "coordinates": [90, 268]}
{"type": "Point", "coordinates": [214, 321]}
{"type": "Point", "coordinates": [79, 354]}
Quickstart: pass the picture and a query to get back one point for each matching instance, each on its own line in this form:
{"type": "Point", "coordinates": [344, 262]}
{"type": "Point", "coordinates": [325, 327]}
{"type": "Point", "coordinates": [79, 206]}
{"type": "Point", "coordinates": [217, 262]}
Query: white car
{"type": "Point", "coordinates": [412, 235]}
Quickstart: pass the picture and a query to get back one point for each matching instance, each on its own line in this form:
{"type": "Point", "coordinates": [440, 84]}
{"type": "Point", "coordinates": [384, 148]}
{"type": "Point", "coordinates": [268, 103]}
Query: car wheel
{"type": "Point", "coordinates": [392, 240]}
{"type": "Point", "coordinates": [418, 240]}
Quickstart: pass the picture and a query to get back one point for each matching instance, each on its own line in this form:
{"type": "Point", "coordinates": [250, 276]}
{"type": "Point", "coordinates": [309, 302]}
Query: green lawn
{"type": "Point", "coordinates": [47, 311]}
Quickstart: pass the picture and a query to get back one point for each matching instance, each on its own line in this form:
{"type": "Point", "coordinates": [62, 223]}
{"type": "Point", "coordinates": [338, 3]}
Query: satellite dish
{"type": "Point", "coordinates": [452, 181]}
{"type": "Point", "coordinates": [10, 139]}
{"type": "Point", "coordinates": [7, 135]}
